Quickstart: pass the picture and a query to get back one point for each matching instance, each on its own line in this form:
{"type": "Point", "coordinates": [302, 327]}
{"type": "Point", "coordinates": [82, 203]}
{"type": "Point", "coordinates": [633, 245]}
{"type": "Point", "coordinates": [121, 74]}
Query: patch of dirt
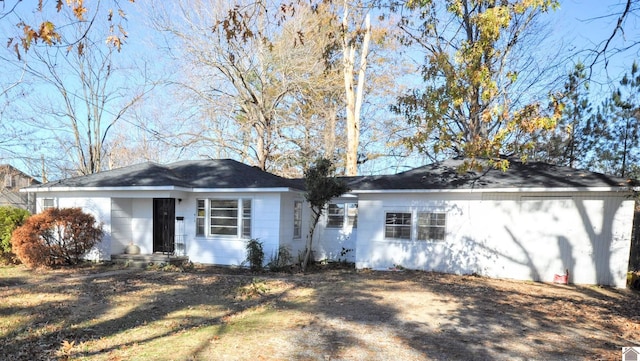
{"type": "Point", "coordinates": [332, 313]}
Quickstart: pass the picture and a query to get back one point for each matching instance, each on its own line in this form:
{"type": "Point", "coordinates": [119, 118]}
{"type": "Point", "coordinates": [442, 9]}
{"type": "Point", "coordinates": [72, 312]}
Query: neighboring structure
{"type": "Point", "coordinates": [12, 180]}
{"type": "Point", "coordinates": [531, 222]}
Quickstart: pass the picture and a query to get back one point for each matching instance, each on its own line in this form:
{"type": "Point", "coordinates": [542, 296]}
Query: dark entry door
{"type": "Point", "coordinates": [164, 212]}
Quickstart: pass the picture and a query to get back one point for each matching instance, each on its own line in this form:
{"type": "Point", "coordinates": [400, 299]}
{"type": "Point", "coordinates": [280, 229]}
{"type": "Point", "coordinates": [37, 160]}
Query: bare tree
{"type": "Point", "coordinates": [229, 70]}
{"type": "Point", "coordinates": [81, 96]}
{"type": "Point", "coordinates": [256, 72]}
{"type": "Point", "coordinates": [625, 10]}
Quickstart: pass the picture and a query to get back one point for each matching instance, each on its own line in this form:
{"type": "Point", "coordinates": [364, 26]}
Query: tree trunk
{"type": "Point", "coordinates": [353, 95]}
{"type": "Point", "coordinates": [307, 252]}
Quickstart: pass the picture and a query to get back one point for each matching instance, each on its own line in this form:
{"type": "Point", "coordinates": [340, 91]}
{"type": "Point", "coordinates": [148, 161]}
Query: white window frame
{"type": "Point", "coordinates": [297, 219]}
{"type": "Point", "coordinates": [347, 217]}
{"type": "Point", "coordinates": [201, 217]}
{"type": "Point", "coordinates": [44, 203]}
{"type": "Point", "coordinates": [435, 226]}
{"type": "Point", "coordinates": [434, 222]}
{"type": "Point", "coordinates": [399, 221]}
{"type": "Point", "coordinates": [243, 217]}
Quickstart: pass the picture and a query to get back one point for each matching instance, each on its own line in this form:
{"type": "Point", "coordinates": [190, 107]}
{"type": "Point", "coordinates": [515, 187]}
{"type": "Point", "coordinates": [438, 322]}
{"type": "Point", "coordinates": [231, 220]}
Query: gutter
{"type": "Point", "coordinates": [500, 190]}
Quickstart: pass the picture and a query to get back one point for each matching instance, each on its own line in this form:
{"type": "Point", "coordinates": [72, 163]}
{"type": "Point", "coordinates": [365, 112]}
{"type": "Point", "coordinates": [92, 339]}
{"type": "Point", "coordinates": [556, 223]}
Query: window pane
{"type": "Point", "coordinates": [246, 218]}
{"type": "Point", "coordinates": [200, 214]}
{"type": "Point", "coordinates": [199, 226]}
{"type": "Point", "coordinates": [224, 217]}
{"type": "Point", "coordinates": [297, 219]}
{"type": "Point", "coordinates": [200, 208]}
{"type": "Point", "coordinates": [431, 226]}
{"type": "Point", "coordinates": [225, 213]}
{"type": "Point", "coordinates": [335, 215]}
{"type": "Point", "coordinates": [224, 222]}
{"type": "Point", "coordinates": [47, 203]}
{"type": "Point", "coordinates": [225, 231]}
{"type": "Point", "coordinates": [352, 214]}
{"type": "Point", "coordinates": [398, 225]}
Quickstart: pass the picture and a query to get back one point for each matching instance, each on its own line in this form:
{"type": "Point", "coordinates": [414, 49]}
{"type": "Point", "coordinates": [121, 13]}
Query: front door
{"type": "Point", "coordinates": [164, 211]}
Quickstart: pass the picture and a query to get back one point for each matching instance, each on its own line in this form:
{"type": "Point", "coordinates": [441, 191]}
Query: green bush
{"type": "Point", "coordinates": [10, 219]}
{"type": "Point", "coordinates": [255, 255]}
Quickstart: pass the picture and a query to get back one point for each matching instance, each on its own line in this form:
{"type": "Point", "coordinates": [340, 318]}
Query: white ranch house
{"type": "Point", "coordinates": [529, 223]}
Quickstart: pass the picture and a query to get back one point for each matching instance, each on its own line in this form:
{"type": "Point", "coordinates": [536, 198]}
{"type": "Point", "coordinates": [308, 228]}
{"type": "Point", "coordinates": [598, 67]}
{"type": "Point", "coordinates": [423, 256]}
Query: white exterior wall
{"type": "Point", "coordinates": [521, 236]}
{"type": "Point", "coordinates": [266, 222]}
{"type": "Point", "coordinates": [98, 206]}
{"type": "Point", "coordinates": [295, 245]}
{"type": "Point", "coordinates": [335, 244]}
{"type": "Point", "coordinates": [142, 224]}
{"type": "Point", "coordinates": [220, 250]}
{"type": "Point", "coordinates": [121, 230]}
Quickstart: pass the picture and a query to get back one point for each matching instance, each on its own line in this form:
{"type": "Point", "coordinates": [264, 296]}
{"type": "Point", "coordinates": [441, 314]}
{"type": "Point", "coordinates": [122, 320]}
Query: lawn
{"type": "Point", "coordinates": [107, 313]}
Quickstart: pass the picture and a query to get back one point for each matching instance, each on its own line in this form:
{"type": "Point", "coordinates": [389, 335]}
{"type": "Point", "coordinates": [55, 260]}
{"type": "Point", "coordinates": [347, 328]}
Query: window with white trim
{"type": "Point", "coordinates": [297, 219]}
{"type": "Point", "coordinates": [335, 215]}
{"type": "Point", "coordinates": [223, 217]}
{"type": "Point", "coordinates": [201, 214]}
{"type": "Point", "coordinates": [431, 226]}
{"type": "Point", "coordinates": [341, 214]}
{"type": "Point", "coordinates": [421, 226]}
{"type": "Point", "coordinates": [397, 225]}
{"type": "Point", "coordinates": [246, 218]}
{"type": "Point", "coordinates": [48, 203]}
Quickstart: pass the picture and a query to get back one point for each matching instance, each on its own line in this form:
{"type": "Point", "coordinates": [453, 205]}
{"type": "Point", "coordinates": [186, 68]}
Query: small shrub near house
{"type": "Point", "coordinates": [10, 219]}
{"type": "Point", "coordinates": [57, 236]}
{"type": "Point", "coordinates": [255, 255]}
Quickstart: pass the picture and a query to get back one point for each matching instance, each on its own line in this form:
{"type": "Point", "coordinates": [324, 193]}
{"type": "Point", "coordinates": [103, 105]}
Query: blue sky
{"type": "Point", "coordinates": [578, 24]}
{"type": "Point", "coordinates": [586, 24]}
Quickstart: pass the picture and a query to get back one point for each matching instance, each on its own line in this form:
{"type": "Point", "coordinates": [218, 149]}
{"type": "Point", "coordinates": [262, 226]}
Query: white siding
{"type": "Point", "coordinates": [521, 236]}
{"type": "Point", "coordinates": [295, 246]}
{"type": "Point", "coordinates": [265, 226]}
{"type": "Point", "coordinates": [335, 244]}
{"type": "Point", "coordinates": [121, 231]}
{"type": "Point", "coordinates": [142, 224]}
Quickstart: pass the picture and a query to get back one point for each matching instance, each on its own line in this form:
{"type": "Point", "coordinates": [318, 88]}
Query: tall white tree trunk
{"type": "Point", "coordinates": [354, 94]}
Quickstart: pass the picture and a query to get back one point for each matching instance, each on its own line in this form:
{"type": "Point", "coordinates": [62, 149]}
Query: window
{"type": "Point", "coordinates": [335, 215]}
{"type": "Point", "coordinates": [8, 181]}
{"type": "Point", "coordinates": [47, 203]}
{"type": "Point", "coordinates": [431, 226]}
{"type": "Point", "coordinates": [339, 214]}
{"type": "Point", "coordinates": [352, 214]}
{"type": "Point", "coordinates": [397, 225]}
{"type": "Point", "coordinates": [297, 219]}
{"type": "Point", "coordinates": [246, 218]}
{"type": "Point", "coordinates": [423, 226]}
{"type": "Point", "coordinates": [224, 217]}
{"type": "Point", "coordinates": [200, 217]}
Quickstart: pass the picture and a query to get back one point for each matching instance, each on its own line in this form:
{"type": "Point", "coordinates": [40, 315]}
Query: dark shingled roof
{"type": "Point", "coordinates": [218, 173]}
{"type": "Point", "coordinates": [445, 176]}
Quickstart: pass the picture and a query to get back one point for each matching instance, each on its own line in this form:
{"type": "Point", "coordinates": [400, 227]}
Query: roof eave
{"type": "Point", "coordinates": [159, 188]}
{"type": "Point", "coordinates": [98, 189]}
{"type": "Point", "coordinates": [499, 190]}
{"type": "Point", "coordinates": [246, 190]}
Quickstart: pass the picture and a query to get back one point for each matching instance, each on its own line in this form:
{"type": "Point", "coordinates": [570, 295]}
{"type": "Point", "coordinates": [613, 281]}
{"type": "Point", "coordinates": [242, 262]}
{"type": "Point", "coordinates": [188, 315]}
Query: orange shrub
{"type": "Point", "coordinates": [57, 236]}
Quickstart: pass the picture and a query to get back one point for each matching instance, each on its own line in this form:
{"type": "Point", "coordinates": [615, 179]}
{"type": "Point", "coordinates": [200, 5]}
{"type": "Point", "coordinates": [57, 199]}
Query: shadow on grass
{"type": "Point", "coordinates": [333, 315]}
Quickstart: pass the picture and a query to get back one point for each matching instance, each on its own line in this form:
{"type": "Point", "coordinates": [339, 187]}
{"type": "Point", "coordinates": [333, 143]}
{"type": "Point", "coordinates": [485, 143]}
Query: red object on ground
{"type": "Point", "coordinates": [563, 279]}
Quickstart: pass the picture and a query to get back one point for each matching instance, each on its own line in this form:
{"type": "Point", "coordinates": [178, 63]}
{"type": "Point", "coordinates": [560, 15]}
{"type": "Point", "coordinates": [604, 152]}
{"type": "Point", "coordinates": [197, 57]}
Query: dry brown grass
{"type": "Point", "coordinates": [102, 313]}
